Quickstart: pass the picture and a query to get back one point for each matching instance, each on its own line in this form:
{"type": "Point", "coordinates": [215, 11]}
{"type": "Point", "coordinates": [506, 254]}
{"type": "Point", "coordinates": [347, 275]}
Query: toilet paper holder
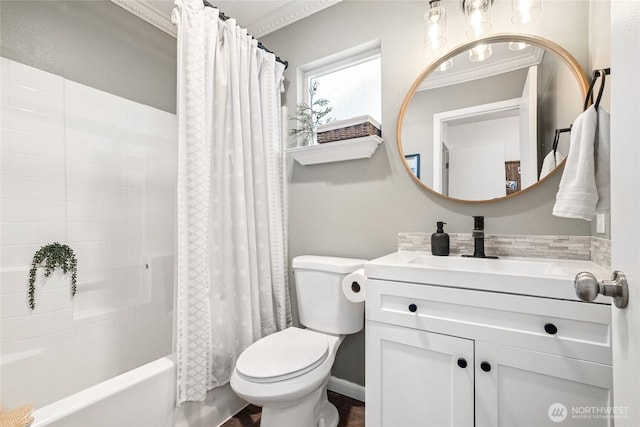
{"type": "Point", "coordinates": [355, 287]}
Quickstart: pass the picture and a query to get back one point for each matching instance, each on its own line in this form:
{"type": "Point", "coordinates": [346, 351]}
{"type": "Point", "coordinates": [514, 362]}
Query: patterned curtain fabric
{"type": "Point", "coordinates": [231, 232]}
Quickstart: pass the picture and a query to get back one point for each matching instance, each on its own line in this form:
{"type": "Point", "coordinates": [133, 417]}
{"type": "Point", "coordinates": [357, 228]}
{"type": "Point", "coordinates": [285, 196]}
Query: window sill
{"type": "Point", "coordinates": [338, 151]}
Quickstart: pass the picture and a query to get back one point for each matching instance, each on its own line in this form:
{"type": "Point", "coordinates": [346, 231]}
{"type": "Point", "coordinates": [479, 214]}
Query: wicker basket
{"type": "Point", "coordinates": [356, 127]}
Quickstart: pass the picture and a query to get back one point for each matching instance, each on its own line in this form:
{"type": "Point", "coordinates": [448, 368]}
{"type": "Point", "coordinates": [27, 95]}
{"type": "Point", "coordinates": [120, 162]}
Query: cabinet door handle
{"type": "Point", "coordinates": [550, 328]}
{"type": "Point", "coordinates": [413, 308]}
{"type": "Point", "coordinates": [462, 362]}
{"type": "Point", "coordinates": [485, 366]}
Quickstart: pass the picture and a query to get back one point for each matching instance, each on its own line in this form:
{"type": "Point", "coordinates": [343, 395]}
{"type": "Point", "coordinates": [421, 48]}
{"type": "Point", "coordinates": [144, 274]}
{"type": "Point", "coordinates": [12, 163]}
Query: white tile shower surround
{"type": "Point", "coordinates": [95, 171]}
{"type": "Point", "coordinates": [585, 248]}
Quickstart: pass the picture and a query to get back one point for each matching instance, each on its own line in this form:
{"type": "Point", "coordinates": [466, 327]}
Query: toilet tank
{"type": "Point", "coordinates": [322, 305]}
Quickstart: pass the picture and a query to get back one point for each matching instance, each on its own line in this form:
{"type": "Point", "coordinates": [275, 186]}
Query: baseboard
{"type": "Point", "coordinates": [346, 388]}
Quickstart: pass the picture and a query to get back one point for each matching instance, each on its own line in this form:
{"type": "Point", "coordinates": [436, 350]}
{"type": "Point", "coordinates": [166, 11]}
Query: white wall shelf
{"type": "Point", "coordinates": [338, 151]}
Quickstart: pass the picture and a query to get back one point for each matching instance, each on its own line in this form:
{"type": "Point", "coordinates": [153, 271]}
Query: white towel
{"type": "Point", "coordinates": [578, 195]}
{"type": "Point", "coordinates": [603, 162]}
{"type": "Point", "coordinates": [550, 162]}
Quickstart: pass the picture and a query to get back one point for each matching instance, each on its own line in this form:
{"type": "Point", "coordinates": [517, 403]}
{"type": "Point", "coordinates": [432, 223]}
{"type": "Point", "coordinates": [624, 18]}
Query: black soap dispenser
{"type": "Point", "coordinates": [440, 241]}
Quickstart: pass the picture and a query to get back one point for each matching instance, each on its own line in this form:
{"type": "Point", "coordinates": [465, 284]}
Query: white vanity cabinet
{"type": "Point", "coordinates": [450, 356]}
{"type": "Point", "coordinates": [521, 385]}
{"type": "Point", "coordinates": [404, 365]}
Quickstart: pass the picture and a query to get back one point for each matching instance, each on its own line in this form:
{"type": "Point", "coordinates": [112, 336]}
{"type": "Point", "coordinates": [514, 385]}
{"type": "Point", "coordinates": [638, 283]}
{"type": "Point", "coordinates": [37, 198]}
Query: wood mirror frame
{"type": "Point", "coordinates": [568, 59]}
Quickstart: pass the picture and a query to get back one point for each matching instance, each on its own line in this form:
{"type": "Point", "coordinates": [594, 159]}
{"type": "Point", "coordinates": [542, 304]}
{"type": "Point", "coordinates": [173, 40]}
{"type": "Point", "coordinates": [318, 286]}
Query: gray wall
{"type": "Point", "coordinates": [96, 43]}
{"type": "Point", "coordinates": [600, 57]}
{"type": "Point", "coordinates": [356, 208]}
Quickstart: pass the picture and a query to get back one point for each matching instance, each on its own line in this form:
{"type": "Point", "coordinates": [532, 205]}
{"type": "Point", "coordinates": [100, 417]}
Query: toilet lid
{"type": "Point", "coordinates": [283, 355]}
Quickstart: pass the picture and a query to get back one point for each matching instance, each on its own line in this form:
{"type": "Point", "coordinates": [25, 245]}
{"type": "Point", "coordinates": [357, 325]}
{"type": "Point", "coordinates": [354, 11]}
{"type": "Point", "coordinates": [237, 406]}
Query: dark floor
{"type": "Point", "coordinates": [351, 413]}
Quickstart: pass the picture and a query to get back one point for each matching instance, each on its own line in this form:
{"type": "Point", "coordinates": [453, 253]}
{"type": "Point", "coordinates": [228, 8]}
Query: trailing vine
{"type": "Point", "coordinates": [50, 257]}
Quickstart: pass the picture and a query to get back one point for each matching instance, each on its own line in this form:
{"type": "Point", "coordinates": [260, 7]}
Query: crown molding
{"type": "Point", "coordinates": [286, 15]}
{"type": "Point", "coordinates": [525, 60]}
{"type": "Point", "coordinates": [272, 21]}
{"type": "Point", "coordinates": [146, 10]}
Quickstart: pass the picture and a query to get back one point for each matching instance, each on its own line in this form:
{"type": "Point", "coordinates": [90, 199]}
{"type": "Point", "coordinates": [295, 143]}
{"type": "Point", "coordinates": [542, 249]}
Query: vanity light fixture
{"type": "Point", "coordinates": [436, 25]}
{"type": "Point", "coordinates": [524, 11]}
{"type": "Point", "coordinates": [518, 45]}
{"type": "Point", "coordinates": [480, 53]}
{"type": "Point", "coordinates": [478, 16]}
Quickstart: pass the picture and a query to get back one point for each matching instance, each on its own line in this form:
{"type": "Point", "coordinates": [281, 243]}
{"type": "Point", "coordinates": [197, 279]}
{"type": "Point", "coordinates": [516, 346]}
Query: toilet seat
{"type": "Point", "coordinates": [283, 355]}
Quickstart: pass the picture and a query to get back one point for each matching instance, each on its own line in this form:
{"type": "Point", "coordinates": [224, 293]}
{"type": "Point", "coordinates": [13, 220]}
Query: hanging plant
{"type": "Point", "coordinates": [311, 115]}
{"type": "Point", "coordinates": [50, 257]}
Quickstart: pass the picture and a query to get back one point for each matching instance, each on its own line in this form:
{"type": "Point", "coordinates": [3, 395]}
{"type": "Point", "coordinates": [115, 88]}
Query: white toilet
{"type": "Point", "coordinates": [287, 372]}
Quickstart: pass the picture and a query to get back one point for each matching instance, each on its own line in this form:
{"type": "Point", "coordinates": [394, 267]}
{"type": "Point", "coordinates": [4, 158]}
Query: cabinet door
{"type": "Point", "coordinates": [417, 379]}
{"type": "Point", "coordinates": [524, 388]}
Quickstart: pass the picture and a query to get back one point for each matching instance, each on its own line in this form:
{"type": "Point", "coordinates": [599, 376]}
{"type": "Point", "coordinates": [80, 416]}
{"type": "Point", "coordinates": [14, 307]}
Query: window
{"type": "Point", "coordinates": [352, 85]}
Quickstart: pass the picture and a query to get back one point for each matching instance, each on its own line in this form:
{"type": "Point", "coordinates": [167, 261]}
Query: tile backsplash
{"type": "Point", "coordinates": [601, 251]}
{"type": "Point", "coordinates": [584, 248]}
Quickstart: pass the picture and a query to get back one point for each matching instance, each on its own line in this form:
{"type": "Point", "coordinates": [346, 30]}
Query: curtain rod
{"type": "Point", "coordinates": [224, 17]}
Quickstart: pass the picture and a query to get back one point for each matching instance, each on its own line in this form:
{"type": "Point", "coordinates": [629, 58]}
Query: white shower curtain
{"type": "Point", "coordinates": [231, 233]}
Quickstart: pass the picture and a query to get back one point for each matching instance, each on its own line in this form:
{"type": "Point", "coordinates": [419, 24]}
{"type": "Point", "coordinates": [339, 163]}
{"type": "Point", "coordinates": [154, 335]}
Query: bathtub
{"type": "Point", "coordinates": [142, 397]}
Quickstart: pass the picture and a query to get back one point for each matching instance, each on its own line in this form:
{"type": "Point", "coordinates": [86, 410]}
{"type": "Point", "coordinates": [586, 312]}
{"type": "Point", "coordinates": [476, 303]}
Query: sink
{"type": "Point", "coordinates": [518, 266]}
{"type": "Point", "coordinates": [541, 277]}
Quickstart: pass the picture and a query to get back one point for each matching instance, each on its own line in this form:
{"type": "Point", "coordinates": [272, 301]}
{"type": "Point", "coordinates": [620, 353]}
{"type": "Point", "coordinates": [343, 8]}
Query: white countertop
{"type": "Point", "coordinates": [540, 277]}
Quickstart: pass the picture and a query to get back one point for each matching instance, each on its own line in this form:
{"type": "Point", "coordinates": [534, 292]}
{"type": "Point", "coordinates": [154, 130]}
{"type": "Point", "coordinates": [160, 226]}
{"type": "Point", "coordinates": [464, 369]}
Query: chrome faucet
{"type": "Point", "coordinates": [478, 239]}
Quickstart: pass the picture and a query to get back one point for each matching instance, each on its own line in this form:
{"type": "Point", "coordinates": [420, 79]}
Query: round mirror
{"type": "Point", "coordinates": [491, 119]}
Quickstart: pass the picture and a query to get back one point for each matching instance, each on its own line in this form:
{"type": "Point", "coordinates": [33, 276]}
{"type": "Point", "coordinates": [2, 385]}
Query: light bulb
{"type": "Point", "coordinates": [478, 13]}
{"type": "Point", "coordinates": [480, 53]}
{"type": "Point", "coordinates": [518, 45]}
{"type": "Point", "coordinates": [436, 25]}
{"type": "Point", "coordinates": [525, 11]}
{"type": "Point", "coordinates": [445, 65]}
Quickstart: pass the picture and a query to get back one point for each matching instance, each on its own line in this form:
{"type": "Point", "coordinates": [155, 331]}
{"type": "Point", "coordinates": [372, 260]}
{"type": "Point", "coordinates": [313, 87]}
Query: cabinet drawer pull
{"type": "Point", "coordinates": [413, 308]}
{"type": "Point", "coordinates": [485, 366]}
{"type": "Point", "coordinates": [551, 329]}
{"type": "Point", "coordinates": [462, 362]}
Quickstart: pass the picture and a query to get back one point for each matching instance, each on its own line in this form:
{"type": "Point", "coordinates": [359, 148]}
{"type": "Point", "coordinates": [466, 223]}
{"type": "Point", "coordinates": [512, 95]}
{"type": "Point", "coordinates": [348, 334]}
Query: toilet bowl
{"type": "Point", "coordinates": [290, 393]}
{"type": "Point", "coordinates": [287, 372]}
